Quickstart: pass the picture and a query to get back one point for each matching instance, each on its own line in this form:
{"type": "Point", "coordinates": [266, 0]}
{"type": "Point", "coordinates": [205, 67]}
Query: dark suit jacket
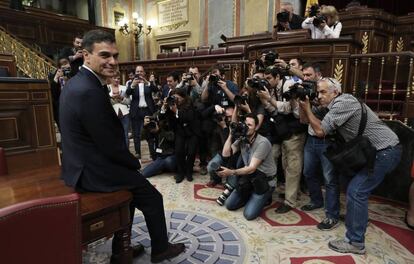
{"type": "Point", "coordinates": [148, 89]}
{"type": "Point", "coordinates": [95, 155]}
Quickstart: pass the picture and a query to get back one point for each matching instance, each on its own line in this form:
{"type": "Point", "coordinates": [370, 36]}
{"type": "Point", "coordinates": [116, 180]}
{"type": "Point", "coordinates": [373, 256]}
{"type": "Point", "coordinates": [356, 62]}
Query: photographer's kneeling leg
{"type": "Point", "coordinates": [261, 193]}
{"type": "Point", "coordinates": [240, 195]}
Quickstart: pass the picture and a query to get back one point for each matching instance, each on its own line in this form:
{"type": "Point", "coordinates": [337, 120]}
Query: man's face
{"type": "Point", "coordinates": [139, 70]}
{"type": "Point", "coordinates": [325, 96]}
{"type": "Point", "coordinates": [171, 82]}
{"type": "Point", "coordinates": [251, 125]}
{"type": "Point", "coordinates": [195, 72]}
{"type": "Point", "coordinates": [131, 75]}
{"type": "Point", "coordinates": [295, 64]}
{"type": "Point", "coordinates": [309, 74]}
{"type": "Point", "coordinates": [216, 72]}
{"type": "Point", "coordinates": [103, 59]}
{"type": "Point", "coordinates": [77, 43]}
{"type": "Point", "coordinates": [273, 81]}
{"type": "Point", "coordinates": [64, 63]}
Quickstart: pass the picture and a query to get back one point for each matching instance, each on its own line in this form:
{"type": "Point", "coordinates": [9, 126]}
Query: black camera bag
{"type": "Point", "coordinates": [260, 183]}
{"type": "Point", "coordinates": [350, 157]}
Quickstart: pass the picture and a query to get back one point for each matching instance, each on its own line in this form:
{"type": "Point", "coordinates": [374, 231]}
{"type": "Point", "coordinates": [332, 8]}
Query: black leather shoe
{"type": "Point", "coordinates": [172, 251]}
{"type": "Point", "coordinates": [137, 250]}
{"type": "Point", "coordinates": [190, 178]}
{"type": "Point", "coordinates": [284, 208]}
{"type": "Point", "coordinates": [179, 179]}
{"type": "Point", "coordinates": [310, 207]}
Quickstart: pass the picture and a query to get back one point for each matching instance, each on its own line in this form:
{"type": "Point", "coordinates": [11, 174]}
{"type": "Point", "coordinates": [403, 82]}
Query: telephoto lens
{"type": "Point", "coordinates": [226, 193]}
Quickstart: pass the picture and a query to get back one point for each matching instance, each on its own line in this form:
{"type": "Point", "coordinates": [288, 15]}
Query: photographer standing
{"type": "Point", "coordinates": [120, 102]}
{"type": "Point", "coordinates": [344, 117]}
{"type": "Point", "coordinates": [286, 19]}
{"type": "Point", "coordinates": [325, 24]}
{"type": "Point", "coordinates": [255, 184]}
{"type": "Point", "coordinates": [57, 80]}
{"type": "Point", "coordinates": [74, 54]}
{"type": "Point", "coordinates": [182, 117]}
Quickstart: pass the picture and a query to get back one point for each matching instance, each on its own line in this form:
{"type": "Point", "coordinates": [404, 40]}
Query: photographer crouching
{"type": "Point", "coordinates": [164, 133]}
{"type": "Point", "coordinates": [253, 188]}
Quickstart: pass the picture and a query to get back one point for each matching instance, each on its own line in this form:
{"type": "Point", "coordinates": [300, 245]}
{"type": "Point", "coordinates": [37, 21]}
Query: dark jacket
{"type": "Point", "coordinates": [96, 157]}
{"type": "Point", "coordinates": [148, 89]}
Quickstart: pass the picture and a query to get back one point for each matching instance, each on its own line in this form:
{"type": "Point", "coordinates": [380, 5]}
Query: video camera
{"type": "Point", "coordinates": [258, 84]}
{"type": "Point", "coordinates": [301, 90]}
{"type": "Point", "coordinates": [238, 130]}
{"type": "Point", "coordinates": [283, 17]}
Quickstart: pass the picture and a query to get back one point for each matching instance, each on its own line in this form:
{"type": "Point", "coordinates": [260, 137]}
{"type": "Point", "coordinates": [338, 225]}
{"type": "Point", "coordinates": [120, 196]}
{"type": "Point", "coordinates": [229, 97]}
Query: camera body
{"type": "Point", "coordinates": [171, 100]}
{"type": "Point", "coordinates": [152, 124]}
{"type": "Point", "coordinates": [240, 99]}
{"type": "Point", "coordinates": [314, 10]}
{"type": "Point", "coordinates": [269, 60]}
{"type": "Point", "coordinates": [189, 76]}
{"type": "Point", "coordinates": [301, 90]}
{"type": "Point", "coordinates": [238, 130]}
{"type": "Point", "coordinates": [318, 20]}
{"type": "Point", "coordinates": [213, 79]}
{"type": "Point", "coordinates": [228, 189]}
{"type": "Point", "coordinates": [283, 17]}
{"type": "Point", "coordinates": [258, 84]}
{"type": "Point", "coordinates": [66, 72]}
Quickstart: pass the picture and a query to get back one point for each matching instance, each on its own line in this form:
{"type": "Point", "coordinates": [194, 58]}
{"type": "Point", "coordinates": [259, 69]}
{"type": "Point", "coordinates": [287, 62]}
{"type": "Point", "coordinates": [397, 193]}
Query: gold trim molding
{"type": "Point", "coordinates": [339, 70]}
{"type": "Point", "coordinates": [365, 40]}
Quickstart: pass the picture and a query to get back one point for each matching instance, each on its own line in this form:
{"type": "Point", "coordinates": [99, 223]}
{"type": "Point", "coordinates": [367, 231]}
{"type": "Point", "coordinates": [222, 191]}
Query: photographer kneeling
{"type": "Point", "coordinates": [253, 188]}
{"type": "Point", "coordinates": [165, 160]}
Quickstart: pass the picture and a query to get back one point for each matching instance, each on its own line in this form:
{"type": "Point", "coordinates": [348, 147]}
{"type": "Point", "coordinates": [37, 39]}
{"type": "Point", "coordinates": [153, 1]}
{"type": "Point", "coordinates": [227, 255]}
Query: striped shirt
{"type": "Point", "coordinates": [345, 115]}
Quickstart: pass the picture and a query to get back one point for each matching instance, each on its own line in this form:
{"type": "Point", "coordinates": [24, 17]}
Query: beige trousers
{"type": "Point", "coordinates": [292, 163]}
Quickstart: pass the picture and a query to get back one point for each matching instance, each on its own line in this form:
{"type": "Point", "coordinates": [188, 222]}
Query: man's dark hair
{"type": "Point", "coordinates": [220, 69]}
{"type": "Point", "coordinates": [299, 60]}
{"type": "Point", "coordinates": [78, 35]}
{"type": "Point", "coordinates": [251, 115]}
{"type": "Point", "coordinates": [315, 66]}
{"type": "Point", "coordinates": [96, 36]}
{"type": "Point", "coordinates": [274, 71]}
{"type": "Point", "coordinates": [175, 75]}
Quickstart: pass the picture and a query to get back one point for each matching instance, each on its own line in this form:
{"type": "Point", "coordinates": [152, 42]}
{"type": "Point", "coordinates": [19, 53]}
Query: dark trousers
{"type": "Point", "coordinates": [149, 201]}
{"type": "Point", "coordinates": [185, 152]}
{"type": "Point", "coordinates": [137, 123]}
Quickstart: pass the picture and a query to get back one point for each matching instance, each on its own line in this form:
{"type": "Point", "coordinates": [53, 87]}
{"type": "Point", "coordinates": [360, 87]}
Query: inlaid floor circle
{"type": "Point", "coordinates": [207, 239]}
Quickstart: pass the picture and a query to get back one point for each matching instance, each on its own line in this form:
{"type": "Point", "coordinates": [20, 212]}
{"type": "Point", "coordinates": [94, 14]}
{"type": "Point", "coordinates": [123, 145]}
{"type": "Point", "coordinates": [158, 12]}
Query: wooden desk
{"type": "Point", "coordinates": [103, 214]}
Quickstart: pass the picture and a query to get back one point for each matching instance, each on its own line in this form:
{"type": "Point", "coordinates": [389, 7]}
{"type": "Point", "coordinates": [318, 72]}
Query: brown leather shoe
{"type": "Point", "coordinates": [173, 250]}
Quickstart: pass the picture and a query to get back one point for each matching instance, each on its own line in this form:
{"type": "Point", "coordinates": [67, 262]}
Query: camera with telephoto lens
{"type": "Point", "coordinates": [269, 60]}
{"type": "Point", "coordinates": [228, 189]}
{"type": "Point", "coordinates": [318, 20]}
{"type": "Point", "coordinates": [301, 90]}
{"type": "Point", "coordinates": [240, 99]}
{"type": "Point", "coordinates": [171, 100]}
{"type": "Point", "coordinates": [213, 79]}
{"type": "Point", "coordinates": [238, 130]}
{"type": "Point", "coordinates": [283, 17]}
{"type": "Point", "coordinates": [258, 84]}
{"type": "Point", "coordinates": [314, 10]}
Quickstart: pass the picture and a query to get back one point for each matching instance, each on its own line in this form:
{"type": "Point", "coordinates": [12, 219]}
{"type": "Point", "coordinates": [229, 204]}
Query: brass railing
{"type": "Point", "coordinates": [385, 82]}
{"type": "Point", "coordinates": [28, 60]}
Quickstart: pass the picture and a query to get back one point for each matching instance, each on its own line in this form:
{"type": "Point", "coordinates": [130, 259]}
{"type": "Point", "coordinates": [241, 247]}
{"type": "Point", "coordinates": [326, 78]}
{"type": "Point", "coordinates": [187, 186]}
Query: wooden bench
{"type": "Point", "coordinates": [103, 214]}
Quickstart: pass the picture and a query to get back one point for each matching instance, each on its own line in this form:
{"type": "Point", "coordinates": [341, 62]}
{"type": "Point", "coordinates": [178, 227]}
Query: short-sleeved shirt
{"type": "Point", "coordinates": [345, 115]}
{"type": "Point", "coordinates": [260, 149]}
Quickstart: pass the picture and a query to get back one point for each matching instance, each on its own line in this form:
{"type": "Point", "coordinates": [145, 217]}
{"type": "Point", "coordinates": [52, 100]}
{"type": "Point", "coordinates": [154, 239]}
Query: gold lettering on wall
{"type": "Point", "coordinates": [172, 14]}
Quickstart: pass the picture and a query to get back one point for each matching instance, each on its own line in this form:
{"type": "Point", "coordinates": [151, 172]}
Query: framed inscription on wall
{"type": "Point", "coordinates": [172, 14]}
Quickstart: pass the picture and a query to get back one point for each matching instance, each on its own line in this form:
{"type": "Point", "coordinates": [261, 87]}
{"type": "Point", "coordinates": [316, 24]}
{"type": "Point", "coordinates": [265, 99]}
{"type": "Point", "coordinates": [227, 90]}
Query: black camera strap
{"type": "Point", "coordinates": [363, 122]}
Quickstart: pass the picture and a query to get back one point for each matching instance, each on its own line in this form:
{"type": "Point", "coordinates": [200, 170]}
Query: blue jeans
{"type": "Point", "coordinates": [125, 125]}
{"type": "Point", "coordinates": [313, 158]}
{"type": "Point", "coordinates": [160, 165]}
{"type": "Point", "coordinates": [253, 206]}
{"type": "Point", "coordinates": [359, 189]}
{"type": "Point", "coordinates": [213, 175]}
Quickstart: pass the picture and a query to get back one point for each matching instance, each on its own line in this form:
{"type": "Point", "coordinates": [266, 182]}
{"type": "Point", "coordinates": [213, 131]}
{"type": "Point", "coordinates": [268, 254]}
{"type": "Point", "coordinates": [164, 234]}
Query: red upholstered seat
{"type": "Point", "coordinates": [46, 231]}
{"type": "Point", "coordinates": [218, 51]}
{"type": "Point", "coordinates": [236, 48]}
{"type": "Point", "coordinates": [188, 53]}
{"type": "Point", "coordinates": [201, 52]}
{"type": "Point", "coordinates": [162, 55]}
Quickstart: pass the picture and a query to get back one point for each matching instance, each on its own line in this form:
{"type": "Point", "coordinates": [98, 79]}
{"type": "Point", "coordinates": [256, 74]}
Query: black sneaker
{"type": "Point", "coordinates": [328, 224]}
{"type": "Point", "coordinates": [310, 207]}
{"type": "Point", "coordinates": [284, 208]}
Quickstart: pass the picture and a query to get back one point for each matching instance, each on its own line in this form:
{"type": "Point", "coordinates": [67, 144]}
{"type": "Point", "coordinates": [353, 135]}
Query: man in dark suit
{"type": "Point", "coordinates": [142, 105]}
{"type": "Point", "coordinates": [74, 54]}
{"type": "Point", "coordinates": [96, 156]}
